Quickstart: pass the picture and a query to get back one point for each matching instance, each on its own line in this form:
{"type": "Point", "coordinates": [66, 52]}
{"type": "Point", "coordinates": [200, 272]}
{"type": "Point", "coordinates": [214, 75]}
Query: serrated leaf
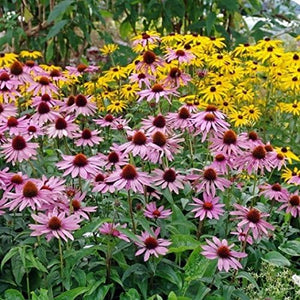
{"type": "Point", "coordinates": [56, 29]}
{"type": "Point", "coordinates": [291, 248]}
{"type": "Point", "coordinates": [12, 252]}
{"type": "Point", "coordinates": [59, 9]}
{"type": "Point", "coordinates": [72, 294]}
{"type": "Point", "coordinates": [13, 295]}
{"type": "Point", "coordinates": [35, 262]}
{"type": "Point", "coordinates": [277, 259]}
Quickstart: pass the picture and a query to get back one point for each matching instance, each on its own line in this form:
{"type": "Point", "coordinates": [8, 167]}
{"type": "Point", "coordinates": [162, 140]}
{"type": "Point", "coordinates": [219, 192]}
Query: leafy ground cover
{"type": "Point", "coordinates": [174, 176]}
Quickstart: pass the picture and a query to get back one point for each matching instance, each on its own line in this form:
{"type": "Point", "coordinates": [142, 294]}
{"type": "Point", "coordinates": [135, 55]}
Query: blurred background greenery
{"type": "Point", "coordinates": [64, 30]}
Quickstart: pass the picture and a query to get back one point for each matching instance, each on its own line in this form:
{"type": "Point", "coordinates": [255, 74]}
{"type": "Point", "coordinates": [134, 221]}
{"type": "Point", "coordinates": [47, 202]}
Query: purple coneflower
{"type": "Point", "coordinates": [44, 113]}
{"type": "Point", "coordinates": [107, 121]}
{"type": "Point", "coordinates": [208, 207]}
{"type": "Point", "coordinates": [149, 63]}
{"type": "Point", "coordinates": [292, 205]}
{"type": "Point", "coordinates": [63, 126]}
{"type": "Point", "coordinates": [243, 236]}
{"type": "Point", "coordinates": [182, 55]}
{"type": "Point", "coordinates": [42, 86]}
{"type": "Point", "coordinates": [45, 98]}
{"type": "Point", "coordinates": [152, 212]}
{"type": "Point", "coordinates": [158, 123]}
{"type": "Point", "coordinates": [150, 245]}
{"type": "Point", "coordinates": [6, 111]}
{"type": "Point", "coordinates": [129, 178]}
{"type": "Point", "coordinates": [176, 78]}
{"type": "Point", "coordinates": [222, 251]}
{"type": "Point", "coordinates": [7, 81]}
{"type": "Point", "coordinates": [181, 120]}
{"type": "Point", "coordinates": [101, 185]}
{"type": "Point", "coordinates": [82, 106]}
{"type": "Point", "coordinates": [13, 125]}
{"type": "Point", "coordinates": [54, 224]}
{"type": "Point", "coordinates": [19, 149]}
{"type": "Point", "coordinates": [252, 219]}
{"type": "Point", "coordinates": [81, 69]}
{"type": "Point", "coordinates": [34, 130]}
{"type": "Point", "coordinates": [87, 137]}
{"type": "Point", "coordinates": [141, 78]}
{"type": "Point", "coordinates": [114, 159]}
{"type": "Point", "coordinates": [274, 192]}
{"type": "Point", "coordinates": [221, 163]}
{"type": "Point", "coordinates": [111, 229]}
{"type": "Point", "coordinates": [79, 165]}
{"type": "Point", "coordinates": [17, 72]}
{"type": "Point", "coordinates": [168, 178]}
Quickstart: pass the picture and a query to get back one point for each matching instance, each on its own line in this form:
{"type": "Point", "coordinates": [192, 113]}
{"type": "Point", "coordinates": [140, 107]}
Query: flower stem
{"type": "Point", "coordinates": [108, 262]}
{"type": "Point", "coordinates": [131, 211]}
{"type": "Point", "coordinates": [200, 227]}
{"type": "Point", "coordinates": [61, 259]}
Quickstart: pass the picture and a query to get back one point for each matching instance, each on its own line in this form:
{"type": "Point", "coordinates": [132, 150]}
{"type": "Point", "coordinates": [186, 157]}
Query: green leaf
{"type": "Point", "coordinates": [277, 259]}
{"type": "Point", "coordinates": [13, 295]}
{"type": "Point", "coordinates": [210, 20]}
{"type": "Point", "coordinates": [137, 269]}
{"type": "Point", "coordinates": [35, 262]}
{"type": "Point", "coordinates": [43, 295]}
{"type": "Point", "coordinates": [291, 248]}
{"type": "Point", "coordinates": [18, 269]}
{"type": "Point", "coordinates": [166, 272]}
{"type": "Point", "coordinates": [90, 227]}
{"type": "Point", "coordinates": [172, 296]}
{"type": "Point", "coordinates": [56, 29]}
{"type": "Point", "coordinates": [182, 242]}
{"type": "Point", "coordinates": [72, 294]}
{"type": "Point", "coordinates": [12, 252]}
{"type": "Point", "coordinates": [125, 28]}
{"type": "Point", "coordinates": [59, 9]}
{"type": "Point", "coordinates": [132, 294]}
{"type": "Point", "coordinates": [249, 277]}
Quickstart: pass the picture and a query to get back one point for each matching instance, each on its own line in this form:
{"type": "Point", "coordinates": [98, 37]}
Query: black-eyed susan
{"type": "Point", "coordinates": [109, 49]}
{"type": "Point", "coordinates": [116, 73]}
{"type": "Point", "coordinates": [129, 91]}
{"type": "Point", "coordinates": [251, 112]}
{"type": "Point", "coordinates": [116, 106]}
{"type": "Point", "coordinates": [227, 106]}
{"type": "Point", "coordinates": [30, 54]}
{"type": "Point", "coordinates": [213, 93]}
{"type": "Point", "coordinates": [243, 93]}
{"type": "Point", "coordinates": [287, 173]}
{"type": "Point", "coordinates": [243, 50]}
{"type": "Point", "coordinates": [293, 108]}
{"type": "Point", "coordinates": [219, 60]}
{"type": "Point", "coordinates": [291, 82]}
{"type": "Point", "coordinates": [238, 119]}
{"type": "Point", "coordinates": [214, 43]}
{"type": "Point", "coordinates": [287, 152]}
{"type": "Point", "coordinates": [268, 53]}
{"type": "Point", "coordinates": [6, 59]}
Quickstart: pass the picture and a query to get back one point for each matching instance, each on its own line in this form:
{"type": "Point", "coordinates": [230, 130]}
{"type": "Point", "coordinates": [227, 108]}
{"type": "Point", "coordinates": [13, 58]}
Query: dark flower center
{"type": "Point", "coordinates": [276, 187]}
{"type": "Point", "coordinates": [129, 172]}
{"type": "Point", "coordinates": [210, 174]}
{"type": "Point", "coordinates": [157, 88]}
{"type": "Point", "coordinates": [12, 122]}
{"type": "Point", "coordinates": [30, 190]}
{"type": "Point", "coordinates": [159, 121]}
{"type": "Point", "coordinates": [109, 118]}
{"type": "Point", "coordinates": [145, 36]}
{"type": "Point", "coordinates": [4, 76]}
{"type": "Point", "coordinates": [81, 67]}
{"type": "Point", "coordinates": [61, 124]}
{"type": "Point", "coordinates": [175, 73]}
{"type": "Point", "coordinates": [253, 216]}
{"type": "Point", "coordinates": [30, 63]}
{"type": "Point", "coordinates": [156, 213]}
{"type": "Point", "coordinates": [223, 252]}
{"type": "Point", "coordinates": [151, 243]}
{"type": "Point", "coordinates": [279, 156]}
{"type": "Point", "coordinates": [259, 152]}
{"type": "Point", "coordinates": [55, 73]}
{"type": "Point", "coordinates": [32, 129]}
{"type": "Point", "coordinates": [219, 157]}
{"type": "Point", "coordinates": [43, 108]}
{"type": "Point", "coordinates": [80, 160]}
{"type": "Point", "coordinates": [76, 205]}
{"type": "Point", "coordinates": [86, 134]}
{"type": "Point", "coordinates": [169, 175]}
{"type": "Point", "coordinates": [212, 89]}
{"type": "Point", "coordinates": [99, 178]}
{"type": "Point", "coordinates": [208, 205]}
{"type": "Point", "coordinates": [16, 68]}
{"type": "Point", "coordinates": [180, 53]}
{"type": "Point", "coordinates": [80, 101]}
{"type": "Point", "coordinates": [139, 138]}
{"type": "Point", "coordinates": [295, 78]}
{"type": "Point", "coordinates": [252, 135]}
{"type": "Point", "coordinates": [220, 56]}
{"type": "Point", "coordinates": [141, 76]}
{"type": "Point", "coordinates": [159, 139]}
{"type": "Point", "coordinates": [18, 143]}
{"type": "Point", "coordinates": [209, 117]}
{"type": "Point", "coordinates": [284, 150]}
{"type": "Point", "coordinates": [16, 179]}
{"type": "Point", "coordinates": [54, 223]}
{"type": "Point", "coordinates": [295, 57]}
{"type": "Point", "coordinates": [44, 81]}
{"type": "Point", "coordinates": [294, 200]}
{"type": "Point", "coordinates": [149, 57]}
{"type": "Point", "coordinates": [150, 189]}
{"type": "Point", "coordinates": [229, 137]}
{"type": "Point", "coordinates": [184, 113]}
{"type": "Point", "coordinates": [71, 101]}
{"type": "Point", "coordinates": [113, 157]}
{"type": "Point", "coordinates": [46, 98]}
{"type": "Point", "coordinates": [211, 108]}
{"type": "Point", "coordinates": [268, 148]}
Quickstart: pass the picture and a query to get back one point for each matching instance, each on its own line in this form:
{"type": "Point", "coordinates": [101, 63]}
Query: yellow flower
{"type": "Point", "coordinates": [213, 43]}
{"type": "Point", "coordinates": [286, 152]}
{"type": "Point", "coordinates": [6, 59]}
{"type": "Point", "coordinates": [116, 73]}
{"type": "Point", "coordinates": [213, 93]}
{"type": "Point", "coordinates": [251, 112]}
{"type": "Point", "coordinates": [109, 49]}
{"type": "Point", "coordinates": [244, 93]}
{"type": "Point", "coordinates": [129, 91]}
{"type": "Point", "coordinates": [238, 118]}
{"type": "Point", "coordinates": [116, 106]}
{"type": "Point", "coordinates": [291, 82]}
{"type": "Point", "coordinates": [243, 50]}
{"type": "Point", "coordinates": [30, 54]}
{"type": "Point", "coordinates": [219, 60]}
{"type": "Point", "coordinates": [227, 105]}
{"type": "Point", "coordinates": [269, 53]}
{"type": "Point", "coordinates": [287, 174]}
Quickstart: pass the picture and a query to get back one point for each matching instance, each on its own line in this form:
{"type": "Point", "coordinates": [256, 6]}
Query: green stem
{"type": "Point", "coordinates": [61, 258]}
{"type": "Point", "coordinates": [28, 285]}
{"type": "Point", "coordinates": [131, 212]}
{"type": "Point", "coordinates": [200, 227]}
